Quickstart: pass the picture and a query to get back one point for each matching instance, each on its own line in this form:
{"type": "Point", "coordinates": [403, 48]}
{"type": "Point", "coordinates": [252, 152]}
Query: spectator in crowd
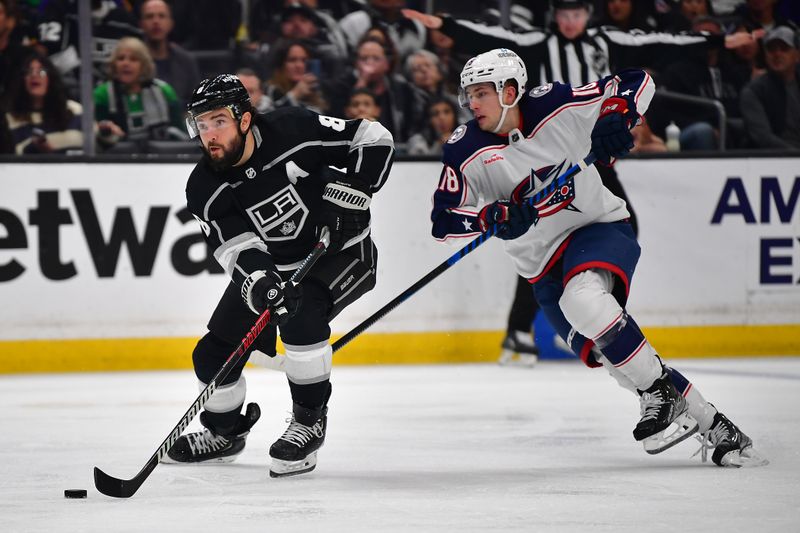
{"type": "Point", "coordinates": [626, 15]}
{"type": "Point", "coordinates": [711, 74]}
{"type": "Point", "coordinates": [450, 59]}
{"type": "Point", "coordinates": [694, 9]}
{"type": "Point", "coordinates": [750, 56]}
{"type": "Point", "coordinates": [362, 104]}
{"type": "Point", "coordinates": [314, 22]}
{"type": "Point", "coordinates": [134, 105]}
{"type": "Point", "coordinates": [11, 50]}
{"type": "Point", "coordinates": [298, 22]}
{"type": "Point", "coordinates": [761, 14]}
{"type": "Point", "coordinates": [59, 32]}
{"type": "Point", "coordinates": [380, 33]}
{"type": "Point", "coordinates": [174, 65]}
{"type": "Point", "coordinates": [771, 104]}
{"type": "Point", "coordinates": [39, 117]}
{"type": "Point", "coordinates": [408, 35]}
{"type": "Point", "coordinates": [206, 24]}
{"type": "Point", "coordinates": [645, 141]}
{"type": "Point", "coordinates": [373, 71]}
{"type": "Point", "coordinates": [442, 119]}
{"type": "Point", "coordinates": [25, 30]}
{"type": "Point", "coordinates": [291, 83]}
{"type": "Point", "coordinates": [424, 70]}
{"type": "Point", "coordinates": [252, 83]}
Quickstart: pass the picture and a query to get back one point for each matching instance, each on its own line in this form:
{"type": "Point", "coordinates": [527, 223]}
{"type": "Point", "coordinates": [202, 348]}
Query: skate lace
{"type": "Point", "coordinates": [710, 439]}
{"type": "Point", "coordinates": [299, 434]}
{"type": "Point", "coordinates": [205, 442]}
{"type": "Point", "coordinates": [650, 403]}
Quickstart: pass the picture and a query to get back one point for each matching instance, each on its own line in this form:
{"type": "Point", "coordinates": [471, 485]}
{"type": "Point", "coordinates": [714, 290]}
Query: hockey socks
{"type": "Point", "coordinates": [624, 345]}
{"type": "Point", "coordinates": [633, 361]}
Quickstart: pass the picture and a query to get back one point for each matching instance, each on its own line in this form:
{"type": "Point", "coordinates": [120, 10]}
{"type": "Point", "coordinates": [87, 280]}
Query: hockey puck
{"type": "Point", "coordinates": [75, 493]}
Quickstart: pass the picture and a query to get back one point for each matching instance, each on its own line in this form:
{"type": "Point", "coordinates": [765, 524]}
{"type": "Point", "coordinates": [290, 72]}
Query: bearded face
{"type": "Point", "coordinates": [222, 156]}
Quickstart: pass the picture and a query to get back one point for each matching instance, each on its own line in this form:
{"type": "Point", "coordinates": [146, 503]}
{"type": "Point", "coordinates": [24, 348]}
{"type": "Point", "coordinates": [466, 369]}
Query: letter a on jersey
{"type": "Point", "coordinates": [293, 172]}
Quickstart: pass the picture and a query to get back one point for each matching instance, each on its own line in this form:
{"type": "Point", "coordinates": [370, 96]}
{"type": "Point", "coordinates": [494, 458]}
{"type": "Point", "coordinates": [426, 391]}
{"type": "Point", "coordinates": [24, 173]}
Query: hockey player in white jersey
{"type": "Point", "coordinates": [576, 246]}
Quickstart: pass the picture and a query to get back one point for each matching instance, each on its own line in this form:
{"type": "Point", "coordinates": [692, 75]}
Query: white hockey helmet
{"type": "Point", "coordinates": [495, 66]}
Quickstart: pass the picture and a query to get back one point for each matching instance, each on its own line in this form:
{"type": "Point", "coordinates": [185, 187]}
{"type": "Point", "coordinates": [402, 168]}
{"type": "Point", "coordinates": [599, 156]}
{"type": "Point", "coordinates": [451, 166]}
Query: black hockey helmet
{"type": "Point", "coordinates": [224, 90]}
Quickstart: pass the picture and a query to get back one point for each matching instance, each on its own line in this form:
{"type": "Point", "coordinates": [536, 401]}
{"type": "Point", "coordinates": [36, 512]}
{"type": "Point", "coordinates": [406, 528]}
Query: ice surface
{"type": "Point", "coordinates": [409, 448]}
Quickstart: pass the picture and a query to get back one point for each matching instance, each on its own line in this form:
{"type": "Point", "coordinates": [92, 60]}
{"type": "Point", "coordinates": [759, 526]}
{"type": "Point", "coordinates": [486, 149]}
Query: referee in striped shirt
{"type": "Point", "coordinates": [569, 52]}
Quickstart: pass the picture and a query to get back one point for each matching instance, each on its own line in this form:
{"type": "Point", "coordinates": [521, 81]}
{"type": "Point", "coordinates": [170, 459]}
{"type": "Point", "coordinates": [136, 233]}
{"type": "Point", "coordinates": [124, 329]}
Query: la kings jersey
{"type": "Point", "coordinates": [265, 211]}
{"type": "Point", "coordinates": [557, 121]}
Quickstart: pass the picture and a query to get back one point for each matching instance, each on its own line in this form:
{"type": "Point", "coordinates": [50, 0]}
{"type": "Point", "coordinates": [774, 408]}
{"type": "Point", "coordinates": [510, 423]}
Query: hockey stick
{"type": "Point", "coordinates": [125, 488]}
{"type": "Point", "coordinates": [456, 257]}
{"type": "Point", "coordinates": [276, 364]}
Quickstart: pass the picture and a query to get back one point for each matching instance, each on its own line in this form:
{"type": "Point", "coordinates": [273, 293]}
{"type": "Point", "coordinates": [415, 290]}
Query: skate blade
{"type": "Point", "coordinates": [747, 458]}
{"type": "Point", "coordinates": [280, 468]}
{"type": "Point", "coordinates": [684, 427]}
{"type": "Point", "coordinates": [217, 460]}
{"type": "Point", "coordinates": [509, 358]}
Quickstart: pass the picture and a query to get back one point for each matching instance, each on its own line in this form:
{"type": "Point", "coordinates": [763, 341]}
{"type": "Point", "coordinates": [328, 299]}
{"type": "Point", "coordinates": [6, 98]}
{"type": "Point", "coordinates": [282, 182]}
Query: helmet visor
{"type": "Point", "coordinates": [210, 121]}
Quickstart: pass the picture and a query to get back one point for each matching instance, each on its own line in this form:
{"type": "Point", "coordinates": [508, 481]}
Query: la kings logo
{"type": "Point", "coordinates": [281, 216]}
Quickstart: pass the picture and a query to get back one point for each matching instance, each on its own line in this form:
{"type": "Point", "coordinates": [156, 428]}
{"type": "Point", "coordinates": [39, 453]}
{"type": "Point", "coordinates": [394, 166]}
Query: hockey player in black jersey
{"type": "Point", "coordinates": [262, 193]}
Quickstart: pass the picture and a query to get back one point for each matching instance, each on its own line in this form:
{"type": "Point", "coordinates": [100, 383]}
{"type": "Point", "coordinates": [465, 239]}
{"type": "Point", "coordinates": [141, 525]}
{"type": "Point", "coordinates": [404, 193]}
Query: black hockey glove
{"type": "Point", "coordinates": [514, 219]}
{"type": "Point", "coordinates": [345, 212]}
{"type": "Point", "coordinates": [265, 289]}
{"type": "Point", "coordinates": [611, 136]}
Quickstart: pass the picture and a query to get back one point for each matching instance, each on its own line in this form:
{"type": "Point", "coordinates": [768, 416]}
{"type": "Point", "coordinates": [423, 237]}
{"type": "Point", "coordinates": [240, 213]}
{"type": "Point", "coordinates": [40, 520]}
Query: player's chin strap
{"type": "Point", "coordinates": [506, 108]}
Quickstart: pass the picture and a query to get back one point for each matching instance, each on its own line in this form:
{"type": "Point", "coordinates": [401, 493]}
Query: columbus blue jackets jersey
{"type": "Point", "coordinates": [264, 212]}
{"type": "Point", "coordinates": [557, 120]}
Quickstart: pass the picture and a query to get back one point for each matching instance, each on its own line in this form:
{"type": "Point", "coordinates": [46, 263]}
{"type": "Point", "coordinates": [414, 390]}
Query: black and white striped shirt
{"type": "Point", "coordinates": [549, 56]}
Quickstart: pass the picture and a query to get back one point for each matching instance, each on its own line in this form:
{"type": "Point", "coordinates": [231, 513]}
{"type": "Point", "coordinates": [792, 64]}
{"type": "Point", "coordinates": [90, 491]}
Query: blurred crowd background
{"type": "Point", "coordinates": [365, 59]}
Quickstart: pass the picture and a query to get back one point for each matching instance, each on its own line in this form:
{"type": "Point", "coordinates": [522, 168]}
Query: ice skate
{"type": "Point", "coordinates": [519, 349]}
{"type": "Point", "coordinates": [665, 421]}
{"type": "Point", "coordinates": [296, 451]}
{"type": "Point", "coordinates": [731, 446]}
{"type": "Point", "coordinates": [209, 447]}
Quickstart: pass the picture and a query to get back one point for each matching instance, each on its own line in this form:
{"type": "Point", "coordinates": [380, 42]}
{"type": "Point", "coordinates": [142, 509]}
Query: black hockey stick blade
{"type": "Point", "coordinates": [122, 488]}
{"type": "Point", "coordinates": [125, 488]}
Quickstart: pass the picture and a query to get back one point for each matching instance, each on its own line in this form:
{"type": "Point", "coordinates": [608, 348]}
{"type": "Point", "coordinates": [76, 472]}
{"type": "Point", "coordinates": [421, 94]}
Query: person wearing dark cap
{"type": "Point", "coordinates": [407, 35]}
{"type": "Point", "coordinates": [321, 34]}
{"type": "Point", "coordinates": [771, 104]}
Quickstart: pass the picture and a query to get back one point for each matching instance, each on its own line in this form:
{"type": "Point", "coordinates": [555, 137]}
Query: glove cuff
{"type": "Point", "coordinates": [346, 196]}
{"type": "Point", "coordinates": [247, 288]}
{"type": "Point", "coordinates": [494, 213]}
{"type": "Point", "coordinates": [250, 282]}
{"type": "Point", "coordinates": [618, 104]}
